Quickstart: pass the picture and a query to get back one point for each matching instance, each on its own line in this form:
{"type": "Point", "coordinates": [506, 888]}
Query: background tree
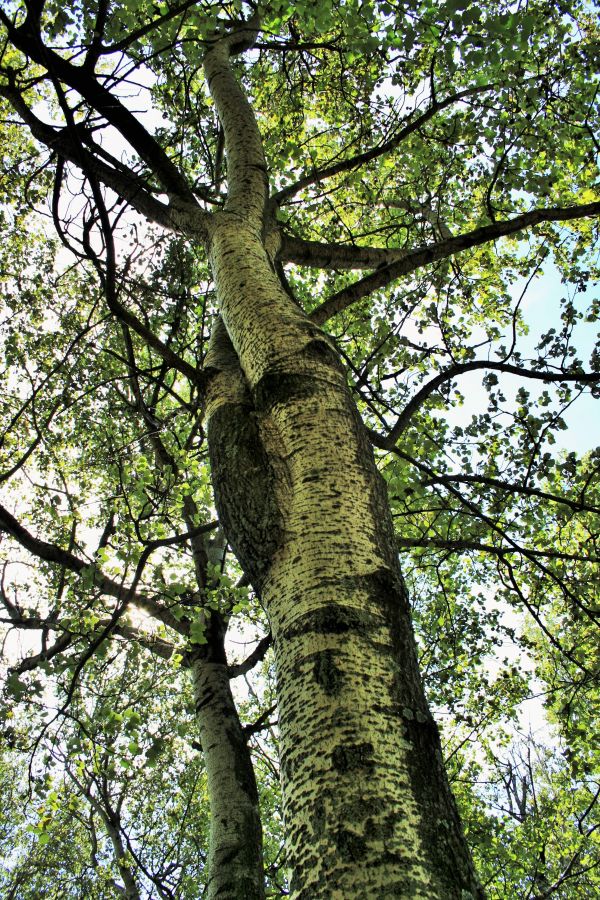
{"type": "Point", "coordinates": [449, 153]}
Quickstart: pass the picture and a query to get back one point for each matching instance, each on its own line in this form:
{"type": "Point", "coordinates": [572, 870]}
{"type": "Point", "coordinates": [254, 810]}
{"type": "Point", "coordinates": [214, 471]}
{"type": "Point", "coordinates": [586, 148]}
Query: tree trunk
{"type": "Point", "coordinates": [368, 811]}
{"type": "Point", "coordinates": [367, 808]}
{"type": "Point", "coordinates": [111, 822]}
{"type": "Point", "coordinates": [235, 869]}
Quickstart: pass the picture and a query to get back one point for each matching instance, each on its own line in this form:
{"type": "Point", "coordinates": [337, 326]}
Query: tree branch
{"type": "Point", "coordinates": [156, 645]}
{"type": "Point", "coordinates": [575, 505]}
{"type": "Point", "coordinates": [333, 255]}
{"type": "Point", "coordinates": [461, 368]}
{"type": "Point", "coordinates": [467, 546]}
{"type": "Point", "coordinates": [478, 513]}
{"type": "Point", "coordinates": [359, 159]}
{"type": "Point", "coordinates": [28, 39]}
{"type": "Point", "coordinates": [141, 32]}
{"type": "Point", "coordinates": [125, 183]}
{"type": "Point", "coordinates": [53, 554]}
{"type": "Point", "coordinates": [257, 655]}
{"type": "Point", "coordinates": [422, 256]}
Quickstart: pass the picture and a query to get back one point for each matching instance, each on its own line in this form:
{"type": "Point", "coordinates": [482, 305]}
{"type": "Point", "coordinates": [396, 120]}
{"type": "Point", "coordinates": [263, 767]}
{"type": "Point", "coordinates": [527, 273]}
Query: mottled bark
{"type": "Point", "coordinates": [243, 476]}
{"type": "Point", "coordinates": [367, 807]}
{"type": "Point", "coordinates": [235, 870]}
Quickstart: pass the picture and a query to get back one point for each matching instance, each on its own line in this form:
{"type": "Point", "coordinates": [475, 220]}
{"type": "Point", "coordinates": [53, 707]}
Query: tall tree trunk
{"type": "Point", "coordinates": [235, 869]}
{"type": "Point", "coordinates": [235, 865]}
{"type": "Point", "coordinates": [368, 810]}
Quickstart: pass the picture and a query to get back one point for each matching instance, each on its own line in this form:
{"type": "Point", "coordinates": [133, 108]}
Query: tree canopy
{"type": "Point", "coordinates": [422, 182]}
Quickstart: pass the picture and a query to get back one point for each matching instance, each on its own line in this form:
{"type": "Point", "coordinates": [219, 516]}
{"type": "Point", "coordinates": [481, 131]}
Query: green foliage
{"type": "Point", "coordinates": [387, 125]}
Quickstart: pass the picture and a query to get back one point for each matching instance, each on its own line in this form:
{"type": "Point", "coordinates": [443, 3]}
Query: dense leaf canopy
{"type": "Point", "coordinates": [434, 202]}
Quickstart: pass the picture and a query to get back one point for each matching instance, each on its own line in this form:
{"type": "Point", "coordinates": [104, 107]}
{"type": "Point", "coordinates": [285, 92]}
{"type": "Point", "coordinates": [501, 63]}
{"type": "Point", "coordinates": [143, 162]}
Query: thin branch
{"type": "Point", "coordinates": [461, 368]}
{"type": "Point", "coordinates": [257, 655]}
{"type": "Point", "coordinates": [478, 513]}
{"type": "Point", "coordinates": [575, 505]}
{"type": "Point", "coordinates": [141, 32]}
{"type": "Point", "coordinates": [261, 723]}
{"type": "Point", "coordinates": [54, 554]}
{"type": "Point", "coordinates": [156, 645]}
{"type": "Point", "coordinates": [360, 159]}
{"type": "Point", "coordinates": [474, 546]}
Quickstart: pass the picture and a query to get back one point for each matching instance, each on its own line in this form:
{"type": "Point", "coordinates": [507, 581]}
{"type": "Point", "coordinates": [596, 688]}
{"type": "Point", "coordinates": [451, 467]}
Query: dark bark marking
{"type": "Point", "coordinates": [319, 818]}
{"type": "Point", "coordinates": [349, 757]}
{"type": "Point", "coordinates": [326, 673]}
{"type": "Point", "coordinates": [283, 387]}
{"type": "Point", "coordinates": [243, 481]}
{"type": "Point", "coordinates": [330, 619]}
{"type": "Point", "coordinates": [351, 846]}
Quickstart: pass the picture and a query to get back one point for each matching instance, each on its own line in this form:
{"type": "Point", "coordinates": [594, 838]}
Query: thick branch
{"type": "Point", "coordinates": [125, 183]}
{"type": "Point", "coordinates": [247, 181]}
{"type": "Point", "coordinates": [335, 256]}
{"type": "Point", "coordinates": [422, 256]}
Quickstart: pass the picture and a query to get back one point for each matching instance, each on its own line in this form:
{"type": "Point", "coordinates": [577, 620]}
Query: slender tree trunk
{"type": "Point", "coordinates": [111, 821]}
{"type": "Point", "coordinates": [235, 868]}
{"type": "Point", "coordinates": [368, 811]}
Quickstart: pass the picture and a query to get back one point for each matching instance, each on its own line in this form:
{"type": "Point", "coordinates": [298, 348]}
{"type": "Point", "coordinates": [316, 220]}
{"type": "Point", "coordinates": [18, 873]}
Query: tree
{"type": "Point", "coordinates": [449, 153]}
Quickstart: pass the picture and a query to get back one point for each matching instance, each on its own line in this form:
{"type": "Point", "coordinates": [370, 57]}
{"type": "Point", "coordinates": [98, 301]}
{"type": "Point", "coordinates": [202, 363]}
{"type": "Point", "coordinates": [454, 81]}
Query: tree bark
{"type": "Point", "coordinates": [367, 808]}
{"type": "Point", "coordinates": [368, 811]}
{"type": "Point", "coordinates": [235, 868]}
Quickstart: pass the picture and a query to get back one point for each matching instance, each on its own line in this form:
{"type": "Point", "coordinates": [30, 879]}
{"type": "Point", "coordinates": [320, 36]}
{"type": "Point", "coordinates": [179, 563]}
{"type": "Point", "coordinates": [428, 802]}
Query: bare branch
{"type": "Point", "coordinates": [257, 655]}
{"type": "Point", "coordinates": [261, 723]}
{"type": "Point", "coordinates": [125, 183]}
{"type": "Point", "coordinates": [334, 255]}
{"type": "Point", "coordinates": [155, 644]}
